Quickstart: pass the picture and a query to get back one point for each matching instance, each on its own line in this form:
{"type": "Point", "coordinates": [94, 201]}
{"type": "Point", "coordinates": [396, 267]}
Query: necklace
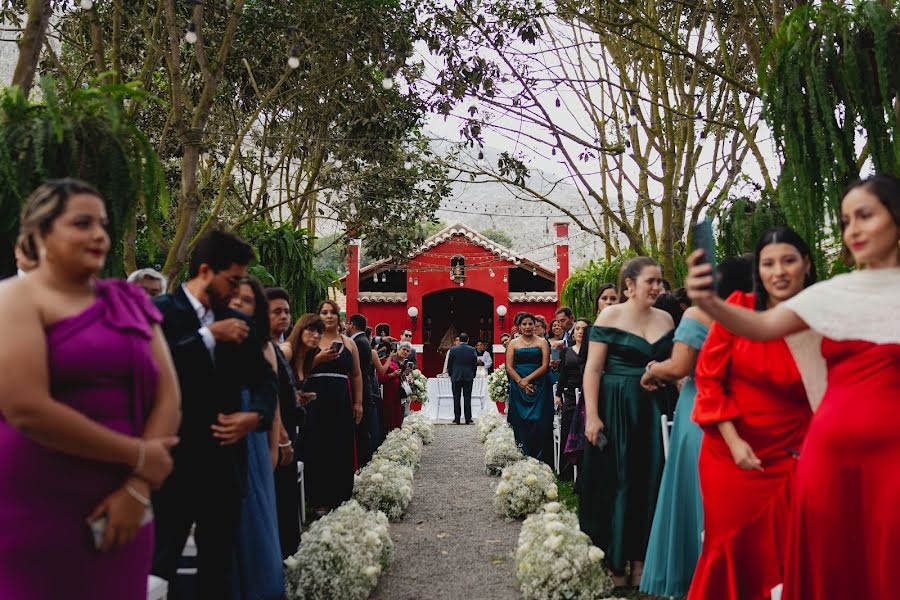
{"type": "Point", "coordinates": [527, 344]}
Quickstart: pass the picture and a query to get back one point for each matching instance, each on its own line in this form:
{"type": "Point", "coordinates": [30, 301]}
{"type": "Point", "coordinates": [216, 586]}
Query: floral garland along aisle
{"type": "Point", "coordinates": [343, 554]}
{"type": "Point", "coordinates": [555, 560]}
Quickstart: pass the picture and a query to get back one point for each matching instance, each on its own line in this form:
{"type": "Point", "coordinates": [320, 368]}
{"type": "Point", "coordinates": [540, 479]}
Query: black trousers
{"type": "Point", "coordinates": [194, 495]}
{"type": "Point", "coordinates": [465, 389]}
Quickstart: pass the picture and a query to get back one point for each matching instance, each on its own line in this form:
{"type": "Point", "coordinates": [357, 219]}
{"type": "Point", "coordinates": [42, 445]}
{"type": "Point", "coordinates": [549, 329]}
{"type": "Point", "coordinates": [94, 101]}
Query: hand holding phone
{"type": "Point", "coordinates": [703, 240]}
{"type": "Point", "coordinates": [337, 346]}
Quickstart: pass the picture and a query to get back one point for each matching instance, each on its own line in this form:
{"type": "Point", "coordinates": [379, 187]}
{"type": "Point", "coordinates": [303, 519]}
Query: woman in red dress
{"type": "Point", "coordinates": [844, 538]}
{"type": "Point", "coordinates": [389, 376]}
{"type": "Point", "coordinates": [754, 411]}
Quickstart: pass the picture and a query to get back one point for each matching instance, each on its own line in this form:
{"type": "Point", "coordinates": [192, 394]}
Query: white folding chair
{"type": "Point", "coordinates": [666, 431]}
{"type": "Point", "coordinates": [300, 482]}
{"type": "Point", "coordinates": [157, 588]}
{"type": "Point", "coordinates": [557, 440]}
{"type": "Point", "coordinates": [478, 391]}
{"type": "Point", "coordinates": [445, 391]}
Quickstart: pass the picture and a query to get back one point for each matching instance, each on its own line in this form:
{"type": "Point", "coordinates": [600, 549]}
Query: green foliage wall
{"type": "Point", "coordinates": [82, 133]}
{"type": "Point", "coordinates": [582, 289]}
{"type": "Point", "coordinates": [742, 222]}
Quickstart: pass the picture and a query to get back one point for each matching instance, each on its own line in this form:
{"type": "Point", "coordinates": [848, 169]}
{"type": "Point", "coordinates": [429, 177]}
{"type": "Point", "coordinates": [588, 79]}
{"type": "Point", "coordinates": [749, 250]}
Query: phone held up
{"type": "Point", "coordinates": [703, 239]}
{"type": "Point", "coordinates": [337, 346]}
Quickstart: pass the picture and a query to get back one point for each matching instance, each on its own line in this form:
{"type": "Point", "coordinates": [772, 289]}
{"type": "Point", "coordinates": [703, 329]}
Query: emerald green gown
{"type": "Point", "coordinates": [620, 483]}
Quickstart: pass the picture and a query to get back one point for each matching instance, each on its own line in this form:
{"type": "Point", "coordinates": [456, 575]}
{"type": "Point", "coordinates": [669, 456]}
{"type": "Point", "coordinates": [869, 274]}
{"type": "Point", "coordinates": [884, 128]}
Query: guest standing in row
{"type": "Point", "coordinates": [462, 361]}
{"type": "Point", "coordinates": [677, 534]}
{"type": "Point", "coordinates": [89, 405]}
{"type": "Point", "coordinates": [258, 571]}
{"type": "Point", "coordinates": [368, 432]}
{"type": "Point", "coordinates": [217, 354]}
{"type": "Point", "coordinates": [389, 376]}
{"type": "Point", "coordinates": [620, 482]}
{"type": "Point", "coordinates": [328, 446]}
{"type": "Point", "coordinates": [571, 371]}
{"type": "Point", "coordinates": [530, 406]}
{"type": "Point", "coordinates": [608, 296]}
{"type": "Point", "coordinates": [844, 538]}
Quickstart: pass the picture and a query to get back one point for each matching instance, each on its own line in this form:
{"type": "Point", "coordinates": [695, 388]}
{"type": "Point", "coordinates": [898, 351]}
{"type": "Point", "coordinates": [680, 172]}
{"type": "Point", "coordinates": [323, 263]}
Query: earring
{"type": "Point", "coordinates": [42, 252]}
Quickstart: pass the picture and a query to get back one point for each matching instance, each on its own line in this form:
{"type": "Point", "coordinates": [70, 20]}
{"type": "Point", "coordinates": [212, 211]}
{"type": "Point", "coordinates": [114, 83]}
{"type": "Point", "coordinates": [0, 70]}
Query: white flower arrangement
{"type": "Point", "coordinates": [419, 386]}
{"type": "Point", "coordinates": [401, 446]}
{"type": "Point", "coordinates": [524, 487]}
{"type": "Point", "coordinates": [498, 386]}
{"type": "Point", "coordinates": [555, 560]}
{"type": "Point", "coordinates": [500, 449]}
{"type": "Point", "coordinates": [421, 425]}
{"type": "Point", "coordinates": [340, 556]}
{"type": "Point", "coordinates": [487, 422]}
{"type": "Point", "coordinates": [384, 485]}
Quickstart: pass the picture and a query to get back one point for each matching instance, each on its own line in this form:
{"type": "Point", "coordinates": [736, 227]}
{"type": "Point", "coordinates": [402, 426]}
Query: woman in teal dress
{"type": "Point", "coordinates": [676, 537]}
{"type": "Point", "coordinates": [623, 458]}
{"type": "Point", "coordinates": [530, 407]}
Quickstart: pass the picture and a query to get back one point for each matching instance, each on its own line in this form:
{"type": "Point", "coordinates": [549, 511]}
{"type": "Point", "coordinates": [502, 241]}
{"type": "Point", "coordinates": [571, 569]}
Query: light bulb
{"type": "Point", "coordinates": [492, 273]}
{"type": "Point", "coordinates": [87, 4]}
{"type": "Point", "coordinates": [191, 36]}
{"type": "Point", "coordinates": [505, 278]}
{"type": "Point", "coordinates": [408, 165]}
{"type": "Point", "coordinates": [293, 61]}
{"type": "Point", "coordinates": [338, 164]}
{"type": "Point", "coordinates": [416, 282]}
{"type": "Point", "coordinates": [387, 83]}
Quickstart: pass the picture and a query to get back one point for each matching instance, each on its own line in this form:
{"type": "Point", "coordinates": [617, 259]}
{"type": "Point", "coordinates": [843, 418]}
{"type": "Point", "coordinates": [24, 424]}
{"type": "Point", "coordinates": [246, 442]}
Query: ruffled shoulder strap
{"type": "Point", "coordinates": [128, 308]}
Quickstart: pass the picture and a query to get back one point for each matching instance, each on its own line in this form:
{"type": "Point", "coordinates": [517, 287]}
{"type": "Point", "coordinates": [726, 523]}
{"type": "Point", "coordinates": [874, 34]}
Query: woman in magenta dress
{"type": "Point", "coordinates": [844, 532]}
{"type": "Point", "coordinates": [754, 412]}
{"type": "Point", "coordinates": [89, 404]}
{"type": "Point", "coordinates": [389, 376]}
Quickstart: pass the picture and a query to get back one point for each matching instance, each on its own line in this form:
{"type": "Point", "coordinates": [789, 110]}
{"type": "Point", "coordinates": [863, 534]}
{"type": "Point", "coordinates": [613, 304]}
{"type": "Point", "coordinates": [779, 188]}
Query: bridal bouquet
{"type": "Point", "coordinates": [419, 386]}
{"type": "Point", "coordinates": [340, 556]}
{"type": "Point", "coordinates": [401, 446]}
{"type": "Point", "coordinates": [555, 560]}
{"type": "Point", "coordinates": [421, 425]}
{"type": "Point", "coordinates": [487, 422]}
{"type": "Point", "coordinates": [524, 487]}
{"type": "Point", "coordinates": [384, 485]}
{"type": "Point", "coordinates": [498, 386]}
{"type": "Point", "coordinates": [500, 449]}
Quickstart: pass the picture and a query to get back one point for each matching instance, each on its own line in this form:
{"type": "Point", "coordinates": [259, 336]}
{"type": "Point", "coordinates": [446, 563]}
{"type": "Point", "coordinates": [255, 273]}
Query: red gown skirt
{"type": "Point", "coordinates": [844, 537]}
{"type": "Point", "coordinates": [393, 408]}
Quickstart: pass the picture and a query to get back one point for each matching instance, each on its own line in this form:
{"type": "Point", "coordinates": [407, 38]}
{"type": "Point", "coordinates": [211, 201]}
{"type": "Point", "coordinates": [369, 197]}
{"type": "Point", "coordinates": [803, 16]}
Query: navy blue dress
{"type": "Point", "coordinates": [328, 448]}
{"type": "Point", "coordinates": [531, 416]}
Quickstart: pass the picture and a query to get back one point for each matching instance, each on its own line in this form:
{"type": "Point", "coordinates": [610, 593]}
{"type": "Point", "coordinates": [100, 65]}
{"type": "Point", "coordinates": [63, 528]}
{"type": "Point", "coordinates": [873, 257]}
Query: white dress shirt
{"type": "Point", "coordinates": [206, 318]}
{"type": "Point", "coordinates": [486, 359]}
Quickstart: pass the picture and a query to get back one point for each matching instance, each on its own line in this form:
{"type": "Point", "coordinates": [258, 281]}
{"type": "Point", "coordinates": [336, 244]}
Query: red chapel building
{"type": "Point", "coordinates": [457, 281]}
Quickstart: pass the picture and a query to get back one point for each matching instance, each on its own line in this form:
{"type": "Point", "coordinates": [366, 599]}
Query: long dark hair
{"type": "Point", "coordinates": [779, 235]}
{"type": "Point", "coordinates": [735, 274]}
{"type": "Point", "coordinates": [301, 358]}
{"type": "Point", "coordinates": [260, 314]}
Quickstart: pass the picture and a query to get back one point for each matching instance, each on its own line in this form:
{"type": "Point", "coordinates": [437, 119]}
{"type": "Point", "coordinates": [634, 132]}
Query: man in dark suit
{"type": "Point", "coordinates": [462, 361]}
{"type": "Point", "coordinates": [217, 354]}
{"type": "Point", "coordinates": [368, 432]}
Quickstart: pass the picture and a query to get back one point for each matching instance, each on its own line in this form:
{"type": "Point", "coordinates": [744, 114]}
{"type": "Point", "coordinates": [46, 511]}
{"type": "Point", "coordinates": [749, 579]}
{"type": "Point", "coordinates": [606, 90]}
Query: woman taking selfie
{"type": "Point", "coordinates": [89, 405]}
{"type": "Point", "coordinates": [623, 456]}
{"type": "Point", "coordinates": [844, 538]}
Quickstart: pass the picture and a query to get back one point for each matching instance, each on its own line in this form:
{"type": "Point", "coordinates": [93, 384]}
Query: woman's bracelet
{"type": "Point", "coordinates": [285, 445]}
{"type": "Point", "coordinates": [142, 457]}
{"type": "Point", "coordinates": [137, 495]}
{"type": "Point", "coordinates": [647, 368]}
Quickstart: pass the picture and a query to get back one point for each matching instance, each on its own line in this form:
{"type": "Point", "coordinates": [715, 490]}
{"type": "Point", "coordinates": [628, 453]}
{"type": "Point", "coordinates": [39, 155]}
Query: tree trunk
{"type": "Point", "coordinates": [30, 45]}
{"type": "Point", "coordinates": [190, 208]}
{"type": "Point", "coordinates": [128, 257]}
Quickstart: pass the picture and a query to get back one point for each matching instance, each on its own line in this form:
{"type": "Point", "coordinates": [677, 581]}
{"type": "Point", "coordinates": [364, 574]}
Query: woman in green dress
{"type": "Point", "coordinates": [623, 458]}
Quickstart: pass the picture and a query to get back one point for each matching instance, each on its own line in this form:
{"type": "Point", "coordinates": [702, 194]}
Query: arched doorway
{"type": "Point", "coordinates": [450, 312]}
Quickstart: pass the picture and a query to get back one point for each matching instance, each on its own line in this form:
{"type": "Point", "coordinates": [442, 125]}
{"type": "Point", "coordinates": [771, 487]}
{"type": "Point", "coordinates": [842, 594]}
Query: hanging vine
{"type": "Point", "coordinates": [742, 222]}
{"type": "Point", "coordinates": [582, 288]}
{"type": "Point", "coordinates": [85, 134]}
{"type": "Point", "coordinates": [831, 87]}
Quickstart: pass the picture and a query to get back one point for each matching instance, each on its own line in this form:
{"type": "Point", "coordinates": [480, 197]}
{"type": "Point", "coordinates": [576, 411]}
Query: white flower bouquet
{"type": "Point", "coordinates": [555, 560]}
{"type": "Point", "coordinates": [487, 422]}
{"type": "Point", "coordinates": [384, 485]}
{"type": "Point", "coordinates": [421, 425]}
{"type": "Point", "coordinates": [419, 386]}
{"type": "Point", "coordinates": [401, 446]}
{"type": "Point", "coordinates": [340, 556]}
{"type": "Point", "coordinates": [500, 449]}
{"type": "Point", "coordinates": [498, 386]}
{"type": "Point", "coordinates": [524, 487]}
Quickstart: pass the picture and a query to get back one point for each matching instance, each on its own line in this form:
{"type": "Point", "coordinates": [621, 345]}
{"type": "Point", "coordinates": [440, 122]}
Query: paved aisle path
{"type": "Point", "coordinates": [451, 544]}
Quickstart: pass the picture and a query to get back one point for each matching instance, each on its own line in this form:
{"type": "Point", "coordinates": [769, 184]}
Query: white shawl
{"type": "Point", "coordinates": [863, 305]}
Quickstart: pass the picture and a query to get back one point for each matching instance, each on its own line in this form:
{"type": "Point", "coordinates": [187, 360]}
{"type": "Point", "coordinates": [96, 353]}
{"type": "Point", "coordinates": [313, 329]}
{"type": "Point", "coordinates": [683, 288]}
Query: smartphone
{"type": "Point", "coordinates": [703, 239]}
{"type": "Point", "coordinates": [602, 441]}
{"type": "Point", "coordinates": [554, 353]}
{"type": "Point", "coordinates": [98, 526]}
{"type": "Point", "coordinates": [337, 346]}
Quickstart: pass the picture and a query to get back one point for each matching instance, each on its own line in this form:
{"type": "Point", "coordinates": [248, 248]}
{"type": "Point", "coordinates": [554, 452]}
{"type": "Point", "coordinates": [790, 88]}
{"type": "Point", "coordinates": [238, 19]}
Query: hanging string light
{"type": "Point", "coordinates": [387, 82]}
{"type": "Point", "coordinates": [191, 36]}
{"type": "Point", "coordinates": [338, 164]}
{"type": "Point", "coordinates": [87, 4]}
{"type": "Point", "coordinates": [407, 164]}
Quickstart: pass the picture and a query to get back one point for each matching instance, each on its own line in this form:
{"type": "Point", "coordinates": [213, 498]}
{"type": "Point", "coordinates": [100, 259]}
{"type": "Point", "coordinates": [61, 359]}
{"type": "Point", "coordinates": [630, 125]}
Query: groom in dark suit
{"type": "Point", "coordinates": [217, 353]}
{"type": "Point", "coordinates": [462, 361]}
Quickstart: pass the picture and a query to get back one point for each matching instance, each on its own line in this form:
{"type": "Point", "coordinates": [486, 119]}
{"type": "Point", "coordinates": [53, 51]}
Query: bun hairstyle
{"type": "Point", "coordinates": [632, 270]}
{"type": "Point", "coordinates": [522, 316]}
{"type": "Point", "coordinates": [45, 204]}
{"type": "Point", "coordinates": [779, 235]}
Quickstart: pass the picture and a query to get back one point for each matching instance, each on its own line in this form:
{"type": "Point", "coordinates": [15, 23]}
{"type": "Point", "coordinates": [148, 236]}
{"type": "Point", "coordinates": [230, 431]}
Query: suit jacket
{"type": "Point", "coordinates": [462, 361]}
{"type": "Point", "coordinates": [366, 367]}
{"type": "Point", "coordinates": [211, 387]}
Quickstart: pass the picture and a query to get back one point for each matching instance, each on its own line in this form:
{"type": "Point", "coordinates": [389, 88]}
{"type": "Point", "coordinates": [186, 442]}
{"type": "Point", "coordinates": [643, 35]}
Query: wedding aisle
{"type": "Point", "coordinates": [452, 544]}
